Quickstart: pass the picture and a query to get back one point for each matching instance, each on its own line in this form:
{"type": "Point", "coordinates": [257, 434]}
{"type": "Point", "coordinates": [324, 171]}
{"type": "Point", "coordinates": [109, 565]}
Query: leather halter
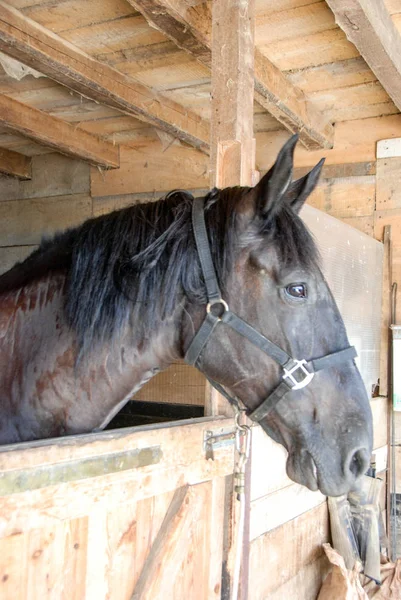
{"type": "Point", "coordinates": [297, 374]}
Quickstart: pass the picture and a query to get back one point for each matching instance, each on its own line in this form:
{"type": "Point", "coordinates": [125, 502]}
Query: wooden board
{"type": "Point", "coordinates": [388, 185]}
{"type": "Point", "coordinates": [154, 169]}
{"type": "Point", "coordinates": [353, 143]}
{"type": "Point", "coordinates": [25, 222]}
{"type": "Point", "coordinates": [346, 197]}
{"type": "Point", "coordinates": [56, 134]}
{"type": "Point", "coordinates": [105, 528]}
{"type": "Point", "coordinates": [10, 255]}
{"type": "Point", "coordinates": [17, 165]}
{"type": "Point", "coordinates": [281, 506]}
{"type": "Point", "coordinates": [52, 175]}
{"type": "Point", "coordinates": [282, 554]}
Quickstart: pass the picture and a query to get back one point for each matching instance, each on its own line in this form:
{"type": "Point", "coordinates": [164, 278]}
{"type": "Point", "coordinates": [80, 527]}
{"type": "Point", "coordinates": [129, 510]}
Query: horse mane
{"type": "Point", "coordinates": [135, 265]}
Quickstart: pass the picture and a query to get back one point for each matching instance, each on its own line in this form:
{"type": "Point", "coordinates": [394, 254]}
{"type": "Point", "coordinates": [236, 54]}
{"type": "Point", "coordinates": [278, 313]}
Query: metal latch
{"type": "Point", "coordinates": [220, 438]}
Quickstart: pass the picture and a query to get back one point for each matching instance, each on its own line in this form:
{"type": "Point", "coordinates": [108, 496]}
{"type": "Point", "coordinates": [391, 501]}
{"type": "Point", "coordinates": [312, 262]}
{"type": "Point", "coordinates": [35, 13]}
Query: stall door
{"type": "Point", "coordinates": [139, 513]}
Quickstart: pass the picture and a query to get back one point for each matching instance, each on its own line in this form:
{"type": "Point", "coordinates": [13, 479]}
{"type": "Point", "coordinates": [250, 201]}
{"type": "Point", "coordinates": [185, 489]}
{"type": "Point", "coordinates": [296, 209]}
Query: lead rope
{"type": "Point", "coordinates": [243, 435]}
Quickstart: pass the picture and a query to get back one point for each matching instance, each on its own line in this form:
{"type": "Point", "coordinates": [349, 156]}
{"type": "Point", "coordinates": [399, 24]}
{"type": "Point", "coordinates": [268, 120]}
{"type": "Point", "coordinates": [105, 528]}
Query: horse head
{"type": "Point", "coordinates": [272, 282]}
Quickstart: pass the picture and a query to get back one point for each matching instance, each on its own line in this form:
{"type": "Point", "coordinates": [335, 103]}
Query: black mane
{"type": "Point", "coordinates": [134, 266]}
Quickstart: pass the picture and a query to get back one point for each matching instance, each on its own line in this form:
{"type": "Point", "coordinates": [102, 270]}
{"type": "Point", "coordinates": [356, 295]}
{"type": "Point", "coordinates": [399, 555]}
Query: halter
{"type": "Point", "coordinates": [297, 374]}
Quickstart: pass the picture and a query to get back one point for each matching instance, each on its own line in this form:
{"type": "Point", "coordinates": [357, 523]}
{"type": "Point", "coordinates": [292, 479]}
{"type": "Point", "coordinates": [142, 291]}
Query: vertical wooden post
{"type": "Point", "coordinates": [232, 144]}
{"type": "Point", "coordinates": [232, 156]}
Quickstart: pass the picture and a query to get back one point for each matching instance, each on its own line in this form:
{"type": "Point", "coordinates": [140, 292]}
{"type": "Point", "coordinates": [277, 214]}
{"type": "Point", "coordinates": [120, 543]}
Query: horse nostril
{"type": "Point", "coordinates": [359, 462]}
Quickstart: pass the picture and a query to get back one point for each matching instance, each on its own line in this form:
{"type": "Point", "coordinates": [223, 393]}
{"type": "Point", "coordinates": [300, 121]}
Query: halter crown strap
{"type": "Point", "coordinates": [297, 373]}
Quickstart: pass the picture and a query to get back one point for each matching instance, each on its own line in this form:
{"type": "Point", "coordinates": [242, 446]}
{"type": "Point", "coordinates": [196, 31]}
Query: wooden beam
{"type": "Point", "coordinates": [39, 48]}
{"type": "Point", "coordinates": [15, 164]}
{"type": "Point", "coordinates": [232, 150]}
{"type": "Point", "coordinates": [55, 133]}
{"type": "Point", "coordinates": [368, 25]}
{"type": "Point", "coordinates": [190, 28]}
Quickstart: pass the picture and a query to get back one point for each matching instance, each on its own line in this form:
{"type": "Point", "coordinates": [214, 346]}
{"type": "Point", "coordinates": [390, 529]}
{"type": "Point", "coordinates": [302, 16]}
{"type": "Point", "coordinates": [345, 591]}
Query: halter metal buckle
{"type": "Point", "coordinates": [289, 375]}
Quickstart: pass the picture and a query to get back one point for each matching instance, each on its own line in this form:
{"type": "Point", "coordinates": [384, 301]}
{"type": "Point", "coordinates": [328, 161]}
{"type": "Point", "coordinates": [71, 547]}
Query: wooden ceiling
{"type": "Point", "coordinates": [103, 76]}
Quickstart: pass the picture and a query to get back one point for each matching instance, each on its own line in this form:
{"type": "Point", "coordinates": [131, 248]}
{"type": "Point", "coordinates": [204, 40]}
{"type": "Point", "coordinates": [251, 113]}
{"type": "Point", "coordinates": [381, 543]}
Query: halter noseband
{"type": "Point", "coordinates": [297, 373]}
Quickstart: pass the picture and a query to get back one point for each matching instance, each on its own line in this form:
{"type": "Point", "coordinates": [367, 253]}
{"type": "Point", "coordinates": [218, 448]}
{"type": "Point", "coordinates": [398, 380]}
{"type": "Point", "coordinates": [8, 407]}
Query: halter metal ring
{"type": "Point", "coordinates": [289, 375]}
{"type": "Point", "coordinates": [218, 301]}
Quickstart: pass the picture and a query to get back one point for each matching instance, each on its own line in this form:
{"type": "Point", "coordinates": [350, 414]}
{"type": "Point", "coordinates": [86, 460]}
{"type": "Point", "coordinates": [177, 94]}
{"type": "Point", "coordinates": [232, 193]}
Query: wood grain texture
{"type": "Point", "coordinates": [52, 175]}
{"type": "Point", "coordinates": [190, 28]}
{"type": "Point", "coordinates": [281, 506]}
{"type": "Point", "coordinates": [15, 164]}
{"type": "Point", "coordinates": [285, 552]}
{"type": "Point", "coordinates": [25, 40]}
{"type": "Point", "coordinates": [57, 134]}
{"type": "Point", "coordinates": [153, 169]}
{"type": "Point", "coordinates": [388, 183]}
{"type": "Point", "coordinates": [354, 142]}
{"type": "Point", "coordinates": [167, 542]}
{"type": "Point", "coordinates": [369, 26]}
{"type": "Point", "coordinates": [345, 196]}
{"type": "Point", "coordinates": [24, 223]}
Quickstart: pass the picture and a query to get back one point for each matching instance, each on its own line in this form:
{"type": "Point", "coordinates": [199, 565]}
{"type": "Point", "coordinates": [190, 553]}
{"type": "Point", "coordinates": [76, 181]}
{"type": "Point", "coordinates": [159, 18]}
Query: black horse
{"type": "Point", "coordinates": [94, 313]}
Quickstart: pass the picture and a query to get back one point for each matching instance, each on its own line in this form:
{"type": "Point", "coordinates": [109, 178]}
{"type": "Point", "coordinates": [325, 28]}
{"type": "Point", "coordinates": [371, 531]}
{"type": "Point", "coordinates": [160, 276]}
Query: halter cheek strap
{"type": "Point", "coordinates": [297, 374]}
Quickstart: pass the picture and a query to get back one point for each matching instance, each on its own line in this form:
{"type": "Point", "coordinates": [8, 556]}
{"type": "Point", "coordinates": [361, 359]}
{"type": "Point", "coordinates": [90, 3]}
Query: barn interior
{"type": "Point", "coordinates": [108, 103]}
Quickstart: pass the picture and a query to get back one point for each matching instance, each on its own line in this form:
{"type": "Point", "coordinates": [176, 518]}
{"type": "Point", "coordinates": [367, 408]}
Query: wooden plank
{"type": "Point", "coordinates": [316, 49]}
{"type": "Point", "coordinates": [361, 169]}
{"type": "Point", "coordinates": [52, 175]}
{"type": "Point", "coordinates": [183, 461]}
{"type": "Point", "coordinates": [369, 26]}
{"type": "Point", "coordinates": [15, 164]}
{"type": "Point", "coordinates": [174, 525]}
{"type": "Point", "coordinates": [364, 224]}
{"type": "Point", "coordinates": [190, 29]}
{"type": "Point", "coordinates": [25, 40]}
{"type": "Point", "coordinates": [25, 222]}
{"type": "Point", "coordinates": [47, 130]}
{"type": "Point", "coordinates": [71, 14]}
{"type": "Point", "coordinates": [13, 254]}
{"type": "Point", "coordinates": [288, 550]}
{"type": "Point", "coordinates": [346, 196]}
{"type": "Point", "coordinates": [331, 76]}
{"type": "Point", "coordinates": [388, 194]}
{"type": "Point", "coordinates": [281, 506]}
{"type": "Point", "coordinates": [354, 142]}
{"type": "Point", "coordinates": [306, 584]}
{"type": "Point", "coordinates": [152, 169]}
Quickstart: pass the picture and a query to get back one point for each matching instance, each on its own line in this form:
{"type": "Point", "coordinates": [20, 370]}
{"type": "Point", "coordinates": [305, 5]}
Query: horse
{"type": "Point", "coordinates": [236, 288]}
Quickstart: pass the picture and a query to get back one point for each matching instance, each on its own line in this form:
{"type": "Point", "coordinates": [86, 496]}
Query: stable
{"type": "Point", "coordinates": [109, 105]}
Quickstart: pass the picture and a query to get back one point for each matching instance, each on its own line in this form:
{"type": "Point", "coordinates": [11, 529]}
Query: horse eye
{"type": "Point", "coordinates": [296, 290]}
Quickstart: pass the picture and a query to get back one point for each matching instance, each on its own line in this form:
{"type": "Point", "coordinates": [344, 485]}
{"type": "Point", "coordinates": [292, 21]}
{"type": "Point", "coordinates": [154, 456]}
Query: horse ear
{"type": "Point", "coordinates": [271, 189]}
{"type": "Point", "coordinates": [300, 189]}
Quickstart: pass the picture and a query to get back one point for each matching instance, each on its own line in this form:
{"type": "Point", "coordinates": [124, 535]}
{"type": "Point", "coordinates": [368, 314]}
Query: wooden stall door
{"type": "Point", "coordinates": [135, 514]}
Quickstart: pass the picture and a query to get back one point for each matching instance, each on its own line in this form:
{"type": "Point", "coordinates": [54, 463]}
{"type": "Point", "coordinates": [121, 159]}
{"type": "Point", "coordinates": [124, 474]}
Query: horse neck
{"type": "Point", "coordinates": [48, 391]}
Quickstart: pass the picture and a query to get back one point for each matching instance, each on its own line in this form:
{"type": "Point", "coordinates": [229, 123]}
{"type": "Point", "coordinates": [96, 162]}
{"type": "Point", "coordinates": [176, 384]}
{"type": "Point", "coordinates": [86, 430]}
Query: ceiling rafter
{"type": "Point", "coordinates": [190, 29]}
{"type": "Point", "coordinates": [368, 25]}
{"type": "Point", "coordinates": [15, 164]}
{"type": "Point", "coordinates": [57, 134]}
{"type": "Point", "coordinates": [37, 47]}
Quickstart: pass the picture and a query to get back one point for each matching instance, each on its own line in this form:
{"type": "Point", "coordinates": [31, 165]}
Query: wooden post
{"type": "Point", "coordinates": [232, 150]}
{"type": "Point", "coordinates": [232, 146]}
